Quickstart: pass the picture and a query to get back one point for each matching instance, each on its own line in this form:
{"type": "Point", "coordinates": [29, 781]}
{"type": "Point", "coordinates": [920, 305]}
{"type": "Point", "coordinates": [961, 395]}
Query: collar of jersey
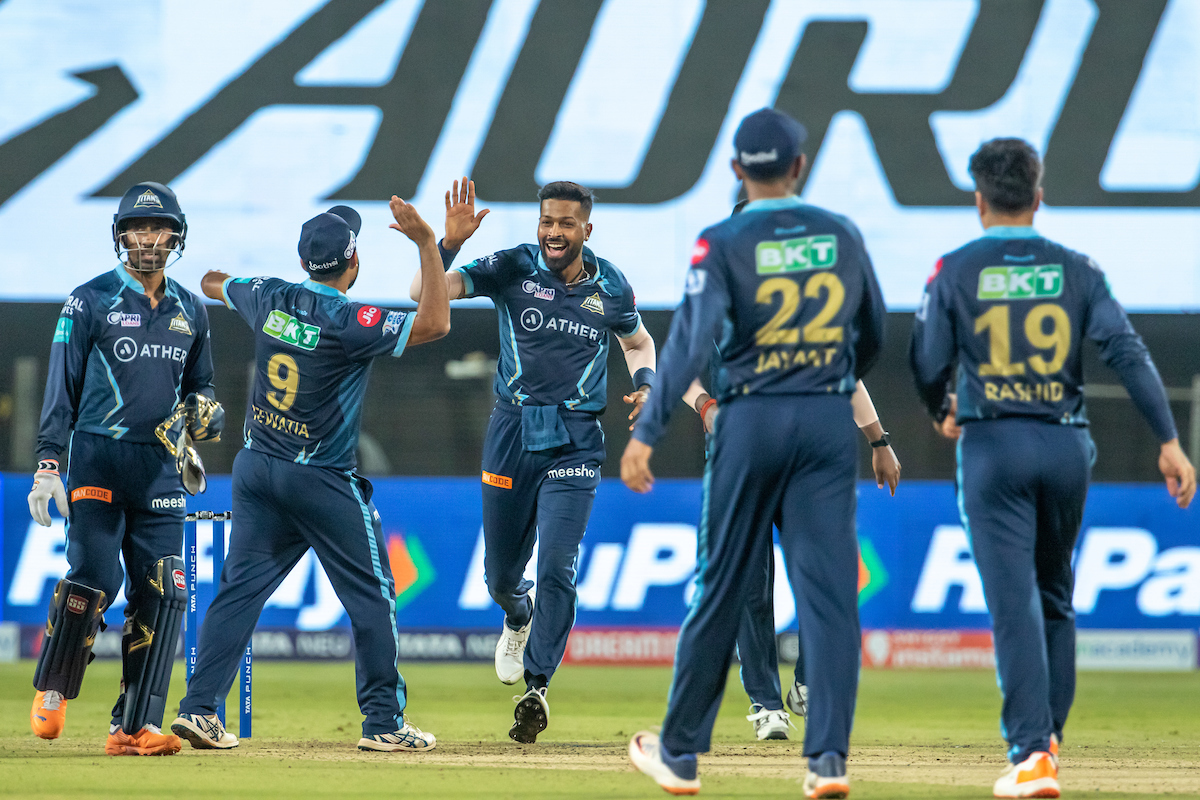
{"type": "Point", "coordinates": [321, 288]}
{"type": "Point", "coordinates": [773, 204]}
{"type": "Point", "coordinates": [131, 282]}
{"type": "Point", "coordinates": [1012, 232]}
{"type": "Point", "coordinates": [588, 258]}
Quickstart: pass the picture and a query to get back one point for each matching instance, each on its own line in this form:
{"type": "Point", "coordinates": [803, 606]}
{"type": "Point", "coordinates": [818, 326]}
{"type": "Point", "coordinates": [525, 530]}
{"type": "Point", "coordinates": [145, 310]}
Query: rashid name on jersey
{"type": "Point", "coordinates": [313, 352]}
{"type": "Point", "coordinates": [119, 367]}
{"type": "Point", "coordinates": [788, 292]}
{"type": "Point", "coordinates": [553, 337]}
{"type": "Point", "coordinates": [1012, 309]}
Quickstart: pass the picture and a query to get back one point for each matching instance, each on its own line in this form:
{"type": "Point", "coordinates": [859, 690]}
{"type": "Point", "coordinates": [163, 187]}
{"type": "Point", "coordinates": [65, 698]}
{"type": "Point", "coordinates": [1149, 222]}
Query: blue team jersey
{"type": "Point", "coordinates": [788, 293]}
{"type": "Point", "coordinates": [1012, 310]}
{"type": "Point", "coordinates": [553, 337]}
{"type": "Point", "coordinates": [313, 350]}
{"type": "Point", "coordinates": [119, 367]}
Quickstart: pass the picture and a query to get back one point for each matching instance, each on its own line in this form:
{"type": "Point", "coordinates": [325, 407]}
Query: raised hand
{"type": "Point", "coordinates": [409, 222]}
{"type": "Point", "coordinates": [461, 219]}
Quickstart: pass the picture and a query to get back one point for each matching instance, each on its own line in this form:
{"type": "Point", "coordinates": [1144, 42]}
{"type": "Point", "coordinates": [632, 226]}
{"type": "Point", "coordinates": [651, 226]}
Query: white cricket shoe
{"type": "Point", "coordinates": [510, 653]}
{"type": "Point", "coordinates": [797, 700]}
{"type": "Point", "coordinates": [204, 732]}
{"type": "Point", "coordinates": [1036, 776]}
{"type": "Point", "coordinates": [827, 777]}
{"type": "Point", "coordinates": [645, 751]}
{"type": "Point", "coordinates": [409, 739]}
{"type": "Point", "coordinates": [769, 723]}
{"type": "Point", "coordinates": [530, 717]}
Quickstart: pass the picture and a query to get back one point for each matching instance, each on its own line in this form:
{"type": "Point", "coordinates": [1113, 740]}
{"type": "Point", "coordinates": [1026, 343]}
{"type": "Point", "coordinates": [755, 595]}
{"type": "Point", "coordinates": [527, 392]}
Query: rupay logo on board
{"type": "Point", "coordinates": [796, 255]}
{"type": "Point", "coordinates": [1020, 283]}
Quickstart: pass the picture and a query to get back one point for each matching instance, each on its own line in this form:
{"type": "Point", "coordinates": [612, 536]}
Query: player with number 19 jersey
{"type": "Point", "coordinates": [314, 349]}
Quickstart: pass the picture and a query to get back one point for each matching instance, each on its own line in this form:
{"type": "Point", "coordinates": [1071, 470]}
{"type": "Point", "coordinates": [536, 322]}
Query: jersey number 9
{"type": "Point", "coordinates": [996, 322]}
{"type": "Point", "coordinates": [285, 376]}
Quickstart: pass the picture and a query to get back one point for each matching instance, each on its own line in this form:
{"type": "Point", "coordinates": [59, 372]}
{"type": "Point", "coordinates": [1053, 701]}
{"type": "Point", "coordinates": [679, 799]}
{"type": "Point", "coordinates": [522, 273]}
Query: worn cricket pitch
{"type": "Point", "coordinates": [917, 734]}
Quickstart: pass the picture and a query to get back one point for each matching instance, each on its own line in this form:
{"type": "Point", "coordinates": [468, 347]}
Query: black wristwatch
{"type": "Point", "coordinates": [883, 441]}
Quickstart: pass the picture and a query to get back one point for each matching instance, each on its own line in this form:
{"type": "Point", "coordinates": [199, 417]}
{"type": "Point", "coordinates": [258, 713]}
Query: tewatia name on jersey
{"type": "Point", "coordinates": [279, 422]}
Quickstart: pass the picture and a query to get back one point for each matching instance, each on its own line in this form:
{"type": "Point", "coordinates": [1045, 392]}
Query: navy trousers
{"type": "Point", "coordinates": [756, 648]}
{"type": "Point", "coordinates": [544, 496]}
{"type": "Point", "coordinates": [125, 499]}
{"type": "Point", "coordinates": [792, 458]}
{"type": "Point", "coordinates": [1022, 486]}
{"type": "Point", "coordinates": [280, 509]}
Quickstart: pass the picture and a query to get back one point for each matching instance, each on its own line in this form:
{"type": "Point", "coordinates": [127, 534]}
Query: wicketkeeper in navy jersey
{"type": "Point", "coordinates": [1012, 310]}
{"type": "Point", "coordinates": [789, 293]}
{"type": "Point", "coordinates": [295, 484]}
{"type": "Point", "coordinates": [557, 303]}
{"type": "Point", "coordinates": [131, 349]}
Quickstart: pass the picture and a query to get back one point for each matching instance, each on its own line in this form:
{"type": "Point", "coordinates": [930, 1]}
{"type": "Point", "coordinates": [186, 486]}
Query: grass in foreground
{"type": "Point", "coordinates": [917, 734]}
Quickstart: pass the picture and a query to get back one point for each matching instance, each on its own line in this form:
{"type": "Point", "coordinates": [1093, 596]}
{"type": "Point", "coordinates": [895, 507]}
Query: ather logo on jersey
{"type": "Point", "coordinates": [1020, 283]}
{"type": "Point", "coordinates": [795, 255]}
{"type": "Point", "coordinates": [289, 330]}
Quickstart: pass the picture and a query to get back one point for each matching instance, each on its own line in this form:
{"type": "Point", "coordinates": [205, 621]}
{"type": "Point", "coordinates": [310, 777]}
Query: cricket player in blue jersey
{"type": "Point", "coordinates": [1012, 310]}
{"type": "Point", "coordinates": [295, 484]}
{"type": "Point", "coordinates": [131, 348]}
{"type": "Point", "coordinates": [557, 303]}
{"type": "Point", "coordinates": [756, 647]}
{"type": "Point", "coordinates": [788, 291]}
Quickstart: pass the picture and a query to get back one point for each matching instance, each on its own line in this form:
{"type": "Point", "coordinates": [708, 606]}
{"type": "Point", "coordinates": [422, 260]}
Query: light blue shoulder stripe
{"type": "Point", "coordinates": [225, 294]}
{"type": "Point", "coordinates": [468, 284]}
{"type": "Point", "coordinates": [405, 330]}
{"type": "Point", "coordinates": [773, 204]}
{"type": "Point", "coordinates": [1011, 232]}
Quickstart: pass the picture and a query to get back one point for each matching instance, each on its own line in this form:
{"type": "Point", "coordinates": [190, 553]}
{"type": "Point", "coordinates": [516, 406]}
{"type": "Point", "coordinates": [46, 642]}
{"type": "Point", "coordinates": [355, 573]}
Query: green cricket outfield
{"type": "Point", "coordinates": [917, 734]}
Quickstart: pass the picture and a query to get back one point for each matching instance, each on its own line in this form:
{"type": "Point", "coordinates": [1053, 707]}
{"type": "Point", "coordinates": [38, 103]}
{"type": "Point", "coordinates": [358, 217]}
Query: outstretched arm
{"type": "Point", "coordinates": [433, 310]}
{"type": "Point", "coordinates": [461, 224]}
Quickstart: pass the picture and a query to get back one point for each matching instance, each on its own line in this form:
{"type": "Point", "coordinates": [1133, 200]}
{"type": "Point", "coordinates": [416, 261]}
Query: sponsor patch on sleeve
{"type": "Point", "coordinates": [497, 480]}
{"type": "Point", "coordinates": [700, 251]}
{"type": "Point", "coordinates": [62, 333]}
{"type": "Point", "coordinates": [695, 280]}
{"type": "Point", "coordinates": [393, 321]}
{"type": "Point", "coordinates": [936, 269]}
{"type": "Point", "coordinates": [369, 315]}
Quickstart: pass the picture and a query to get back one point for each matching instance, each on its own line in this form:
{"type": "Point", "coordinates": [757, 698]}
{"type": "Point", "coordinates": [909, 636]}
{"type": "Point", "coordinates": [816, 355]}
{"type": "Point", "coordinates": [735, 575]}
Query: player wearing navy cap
{"type": "Point", "coordinates": [557, 303]}
{"type": "Point", "coordinates": [295, 484]}
{"type": "Point", "coordinates": [789, 293]}
{"type": "Point", "coordinates": [1012, 310]}
{"type": "Point", "coordinates": [130, 348]}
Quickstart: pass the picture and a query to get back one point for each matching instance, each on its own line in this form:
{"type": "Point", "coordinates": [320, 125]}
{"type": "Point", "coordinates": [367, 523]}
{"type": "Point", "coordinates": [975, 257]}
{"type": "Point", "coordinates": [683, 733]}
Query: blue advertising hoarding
{"type": "Point", "coordinates": [1137, 562]}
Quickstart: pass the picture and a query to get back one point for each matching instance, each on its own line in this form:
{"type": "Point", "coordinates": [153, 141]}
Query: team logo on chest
{"type": "Point", "coordinates": [594, 304]}
{"type": "Point", "coordinates": [180, 325]}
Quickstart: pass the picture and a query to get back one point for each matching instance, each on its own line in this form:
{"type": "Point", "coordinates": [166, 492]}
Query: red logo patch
{"type": "Point", "coordinates": [936, 269]}
{"type": "Point", "coordinates": [177, 576]}
{"type": "Point", "coordinates": [76, 604]}
{"type": "Point", "coordinates": [699, 252]}
{"type": "Point", "coordinates": [368, 316]}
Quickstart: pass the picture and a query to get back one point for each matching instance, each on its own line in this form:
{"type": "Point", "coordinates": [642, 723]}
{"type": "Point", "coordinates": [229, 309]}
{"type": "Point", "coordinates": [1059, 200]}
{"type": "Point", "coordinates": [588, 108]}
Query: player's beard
{"type": "Point", "coordinates": [557, 264]}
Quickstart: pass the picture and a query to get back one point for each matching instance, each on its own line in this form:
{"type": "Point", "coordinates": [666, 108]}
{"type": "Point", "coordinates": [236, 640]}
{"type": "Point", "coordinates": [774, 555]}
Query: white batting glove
{"type": "Point", "coordinates": [47, 484]}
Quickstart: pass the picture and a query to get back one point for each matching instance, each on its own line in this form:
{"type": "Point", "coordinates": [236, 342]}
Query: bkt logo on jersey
{"type": "Point", "coordinates": [1020, 283]}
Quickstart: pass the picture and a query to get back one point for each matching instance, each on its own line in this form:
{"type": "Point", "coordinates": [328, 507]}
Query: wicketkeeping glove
{"type": "Point", "coordinates": [205, 418]}
{"type": "Point", "coordinates": [47, 484]}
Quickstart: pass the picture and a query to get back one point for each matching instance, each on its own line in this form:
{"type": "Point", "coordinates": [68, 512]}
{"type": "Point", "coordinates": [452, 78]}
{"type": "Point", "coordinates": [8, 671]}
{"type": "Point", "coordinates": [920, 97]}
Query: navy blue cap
{"type": "Point", "coordinates": [350, 215]}
{"type": "Point", "coordinates": [767, 142]}
{"type": "Point", "coordinates": [326, 243]}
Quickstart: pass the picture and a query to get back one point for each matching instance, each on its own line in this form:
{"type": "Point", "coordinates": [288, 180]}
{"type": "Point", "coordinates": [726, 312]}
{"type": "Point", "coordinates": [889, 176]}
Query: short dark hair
{"type": "Point", "coordinates": [1007, 173]}
{"type": "Point", "coordinates": [566, 190]}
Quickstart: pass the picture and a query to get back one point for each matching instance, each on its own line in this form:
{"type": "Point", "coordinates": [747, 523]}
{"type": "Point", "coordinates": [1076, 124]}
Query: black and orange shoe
{"type": "Point", "coordinates": [49, 714]}
{"type": "Point", "coordinates": [149, 741]}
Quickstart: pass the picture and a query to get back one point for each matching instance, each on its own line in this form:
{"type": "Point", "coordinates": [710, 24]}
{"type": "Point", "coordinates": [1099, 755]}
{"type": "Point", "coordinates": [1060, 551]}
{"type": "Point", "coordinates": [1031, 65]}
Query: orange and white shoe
{"type": "Point", "coordinates": [1036, 776]}
{"type": "Point", "coordinates": [645, 751]}
{"type": "Point", "coordinates": [49, 714]}
{"type": "Point", "coordinates": [1054, 749]}
{"type": "Point", "coordinates": [826, 777]}
{"type": "Point", "coordinates": [149, 741]}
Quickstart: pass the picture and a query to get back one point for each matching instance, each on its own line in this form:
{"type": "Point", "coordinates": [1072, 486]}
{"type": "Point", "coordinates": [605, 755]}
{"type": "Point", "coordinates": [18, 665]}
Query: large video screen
{"type": "Point", "coordinates": [262, 113]}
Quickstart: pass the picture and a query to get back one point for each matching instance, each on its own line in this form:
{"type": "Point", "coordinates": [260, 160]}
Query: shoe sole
{"type": "Point", "coordinates": [831, 791]}
{"type": "Point", "coordinates": [372, 746]}
{"type": "Point", "coordinates": [198, 740]}
{"type": "Point", "coordinates": [774, 735]}
{"type": "Point", "coordinates": [129, 750]}
{"type": "Point", "coordinates": [530, 720]}
{"type": "Point", "coordinates": [645, 765]}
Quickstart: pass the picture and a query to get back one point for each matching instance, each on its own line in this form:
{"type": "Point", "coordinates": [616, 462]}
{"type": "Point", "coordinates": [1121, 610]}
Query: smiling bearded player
{"type": "Point", "coordinates": [557, 303]}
